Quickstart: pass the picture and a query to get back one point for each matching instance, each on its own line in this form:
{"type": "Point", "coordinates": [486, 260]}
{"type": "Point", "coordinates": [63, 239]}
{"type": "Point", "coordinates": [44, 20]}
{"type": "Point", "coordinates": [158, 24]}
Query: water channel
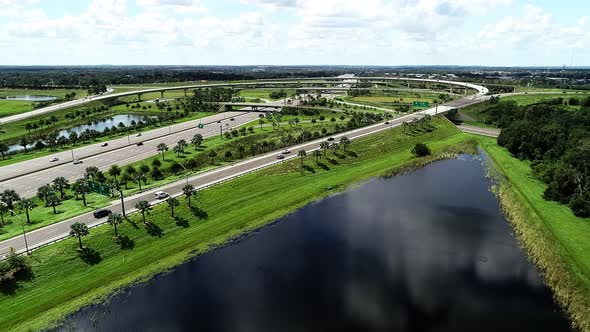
{"type": "Point", "coordinates": [98, 125]}
{"type": "Point", "coordinates": [426, 251]}
{"type": "Point", "coordinates": [29, 98]}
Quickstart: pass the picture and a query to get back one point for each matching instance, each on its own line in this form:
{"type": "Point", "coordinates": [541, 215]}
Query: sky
{"type": "Point", "coordinates": [295, 32]}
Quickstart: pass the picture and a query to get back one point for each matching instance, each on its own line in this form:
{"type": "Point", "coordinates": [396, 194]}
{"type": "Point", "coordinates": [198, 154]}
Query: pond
{"type": "Point", "coordinates": [98, 125]}
{"type": "Point", "coordinates": [427, 251]}
{"type": "Point", "coordinates": [29, 98]}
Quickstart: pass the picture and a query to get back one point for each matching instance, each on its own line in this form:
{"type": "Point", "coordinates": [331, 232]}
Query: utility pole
{"type": "Point", "coordinates": [221, 131]}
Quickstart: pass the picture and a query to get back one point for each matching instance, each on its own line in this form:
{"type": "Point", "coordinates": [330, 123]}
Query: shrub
{"type": "Point", "coordinates": [420, 150]}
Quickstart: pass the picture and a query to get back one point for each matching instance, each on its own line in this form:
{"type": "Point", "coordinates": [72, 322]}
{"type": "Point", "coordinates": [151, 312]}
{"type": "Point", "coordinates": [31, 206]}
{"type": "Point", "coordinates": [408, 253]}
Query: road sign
{"type": "Point", "coordinates": [420, 104]}
{"type": "Point", "coordinates": [99, 188]}
{"type": "Point", "coordinates": [200, 126]}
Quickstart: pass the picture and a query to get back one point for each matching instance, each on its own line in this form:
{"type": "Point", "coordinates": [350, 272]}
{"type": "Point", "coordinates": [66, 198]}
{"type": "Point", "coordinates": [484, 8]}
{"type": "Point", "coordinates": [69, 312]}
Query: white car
{"type": "Point", "coordinates": [53, 159]}
{"type": "Point", "coordinates": [286, 151]}
{"type": "Point", "coordinates": [161, 194]}
{"type": "Point", "coordinates": [77, 161]}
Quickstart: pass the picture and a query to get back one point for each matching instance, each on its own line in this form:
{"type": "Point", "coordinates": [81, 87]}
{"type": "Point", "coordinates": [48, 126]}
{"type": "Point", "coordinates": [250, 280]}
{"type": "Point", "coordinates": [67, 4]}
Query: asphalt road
{"type": "Point", "coordinates": [490, 132]}
{"type": "Point", "coordinates": [58, 230]}
{"type": "Point", "coordinates": [52, 108]}
{"type": "Point", "coordinates": [26, 177]}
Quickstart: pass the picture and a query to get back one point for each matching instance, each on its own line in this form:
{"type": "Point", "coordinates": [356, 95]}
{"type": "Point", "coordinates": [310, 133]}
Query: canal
{"type": "Point", "coordinates": [425, 251]}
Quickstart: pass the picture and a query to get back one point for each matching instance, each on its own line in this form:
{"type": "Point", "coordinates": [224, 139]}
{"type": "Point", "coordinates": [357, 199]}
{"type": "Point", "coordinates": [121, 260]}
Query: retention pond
{"type": "Point", "coordinates": [426, 251]}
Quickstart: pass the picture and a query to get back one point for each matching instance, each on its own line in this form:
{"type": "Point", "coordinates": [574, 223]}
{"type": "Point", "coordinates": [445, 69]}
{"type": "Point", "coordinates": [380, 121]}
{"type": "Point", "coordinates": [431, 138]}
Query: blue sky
{"type": "Point", "coordinates": [300, 32]}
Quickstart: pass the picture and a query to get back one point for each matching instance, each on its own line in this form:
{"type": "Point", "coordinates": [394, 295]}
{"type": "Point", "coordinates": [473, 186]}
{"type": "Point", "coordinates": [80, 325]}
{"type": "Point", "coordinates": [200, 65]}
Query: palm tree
{"type": "Point", "coordinates": [81, 187]}
{"type": "Point", "coordinates": [27, 204]}
{"type": "Point", "coordinates": [212, 155]}
{"type": "Point", "coordinates": [3, 210]}
{"type": "Point", "coordinates": [197, 140]}
{"type": "Point", "coordinates": [114, 171]}
{"type": "Point", "coordinates": [53, 201]}
{"type": "Point", "coordinates": [177, 149]}
{"type": "Point", "coordinates": [260, 122]}
{"type": "Point", "coordinates": [91, 172]}
{"type": "Point", "coordinates": [24, 142]}
{"type": "Point", "coordinates": [9, 196]}
{"type": "Point", "coordinates": [78, 230]}
{"type": "Point", "coordinates": [317, 154]}
{"type": "Point", "coordinates": [189, 191]}
{"type": "Point", "coordinates": [143, 207]}
{"type": "Point", "coordinates": [60, 183]}
{"type": "Point", "coordinates": [138, 177]}
{"type": "Point", "coordinates": [45, 191]}
{"type": "Point", "coordinates": [345, 142]}
{"type": "Point", "coordinates": [324, 146]}
{"type": "Point", "coordinates": [302, 155]}
{"type": "Point", "coordinates": [172, 202]}
{"type": "Point", "coordinates": [162, 148]}
{"type": "Point", "coordinates": [3, 149]}
{"type": "Point", "coordinates": [114, 220]}
{"type": "Point", "coordinates": [125, 178]}
{"type": "Point", "coordinates": [334, 147]}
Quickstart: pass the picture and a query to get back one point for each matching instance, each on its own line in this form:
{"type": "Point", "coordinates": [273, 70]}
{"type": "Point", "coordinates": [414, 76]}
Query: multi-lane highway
{"type": "Point", "coordinates": [126, 153]}
{"type": "Point", "coordinates": [276, 82]}
{"type": "Point", "coordinates": [55, 231]}
{"type": "Point", "coordinates": [25, 177]}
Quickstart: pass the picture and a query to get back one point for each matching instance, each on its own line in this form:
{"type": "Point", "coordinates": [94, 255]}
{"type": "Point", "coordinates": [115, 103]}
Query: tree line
{"type": "Point", "coordinates": [556, 139]}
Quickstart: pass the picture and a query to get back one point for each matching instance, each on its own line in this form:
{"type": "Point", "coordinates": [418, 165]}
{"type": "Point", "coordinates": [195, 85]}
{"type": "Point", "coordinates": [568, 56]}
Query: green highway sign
{"type": "Point", "coordinates": [99, 188]}
{"type": "Point", "coordinates": [420, 104]}
{"type": "Point", "coordinates": [200, 125]}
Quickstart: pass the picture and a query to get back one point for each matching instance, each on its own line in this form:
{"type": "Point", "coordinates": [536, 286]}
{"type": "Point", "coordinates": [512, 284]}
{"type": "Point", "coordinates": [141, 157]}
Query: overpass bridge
{"type": "Point", "coordinates": [337, 82]}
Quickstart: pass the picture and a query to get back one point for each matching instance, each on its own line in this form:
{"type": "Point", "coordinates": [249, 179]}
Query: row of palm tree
{"type": "Point", "coordinates": [80, 230]}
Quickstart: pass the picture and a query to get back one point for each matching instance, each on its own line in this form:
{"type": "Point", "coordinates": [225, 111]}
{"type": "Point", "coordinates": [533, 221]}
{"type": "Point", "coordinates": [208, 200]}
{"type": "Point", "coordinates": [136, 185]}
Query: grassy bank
{"type": "Point", "coordinates": [63, 282]}
{"type": "Point", "coordinates": [556, 241]}
{"type": "Point", "coordinates": [12, 107]}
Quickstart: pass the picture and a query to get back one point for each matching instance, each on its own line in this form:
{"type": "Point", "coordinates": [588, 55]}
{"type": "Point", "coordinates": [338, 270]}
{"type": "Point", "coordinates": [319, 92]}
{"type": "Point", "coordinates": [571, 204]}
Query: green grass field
{"type": "Point", "coordinates": [12, 107]}
{"type": "Point", "coordinates": [63, 282]}
{"type": "Point", "coordinates": [42, 216]}
{"type": "Point", "coordinates": [475, 114]}
{"type": "Point", "coordinates": [535, 98]}
{"type": "Point", "coordinates": [564, 235]}
{"type": "Point", "coordinates": [264, 93]}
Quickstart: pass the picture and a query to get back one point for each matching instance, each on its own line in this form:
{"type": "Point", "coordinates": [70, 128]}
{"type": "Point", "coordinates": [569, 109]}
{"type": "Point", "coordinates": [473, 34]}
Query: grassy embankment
{"type": "Point", "coordinates": [12, 107]}
{"type": "Point", "coordinates": [556, 241]}
{"type": "Point", "coordinates": [63, 282]}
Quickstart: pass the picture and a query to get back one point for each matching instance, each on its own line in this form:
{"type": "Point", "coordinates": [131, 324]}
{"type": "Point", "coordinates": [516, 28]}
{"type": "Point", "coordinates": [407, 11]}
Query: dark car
{"type": "Point", "coordinates": [330, 139]}
{"type": "Point", "coordinates": [101, 213]}
{"type": "Point", "coordinates": [139, 144]}
{"type": "Point", "coordinates": [105, 144]}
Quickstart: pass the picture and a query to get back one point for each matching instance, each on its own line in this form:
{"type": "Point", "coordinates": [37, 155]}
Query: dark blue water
{"type": "Point", "coordinates": [98, 125]}
{"type": "Point", "coordinates": [428, 251]}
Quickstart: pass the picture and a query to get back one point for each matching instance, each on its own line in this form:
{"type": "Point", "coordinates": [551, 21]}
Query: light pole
{"type": "Point", "coordinates": [122, 202]}
{"type": "Point", "coordinates": [186, 172]}
{"type": "Point", "coordinates": [72, 152]}
{"type": "Point", "coordinates": [24, 232]}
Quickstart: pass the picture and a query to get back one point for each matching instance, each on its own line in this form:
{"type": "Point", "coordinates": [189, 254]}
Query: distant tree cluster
{"type": "Point", "coordinates": [557, 141]}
